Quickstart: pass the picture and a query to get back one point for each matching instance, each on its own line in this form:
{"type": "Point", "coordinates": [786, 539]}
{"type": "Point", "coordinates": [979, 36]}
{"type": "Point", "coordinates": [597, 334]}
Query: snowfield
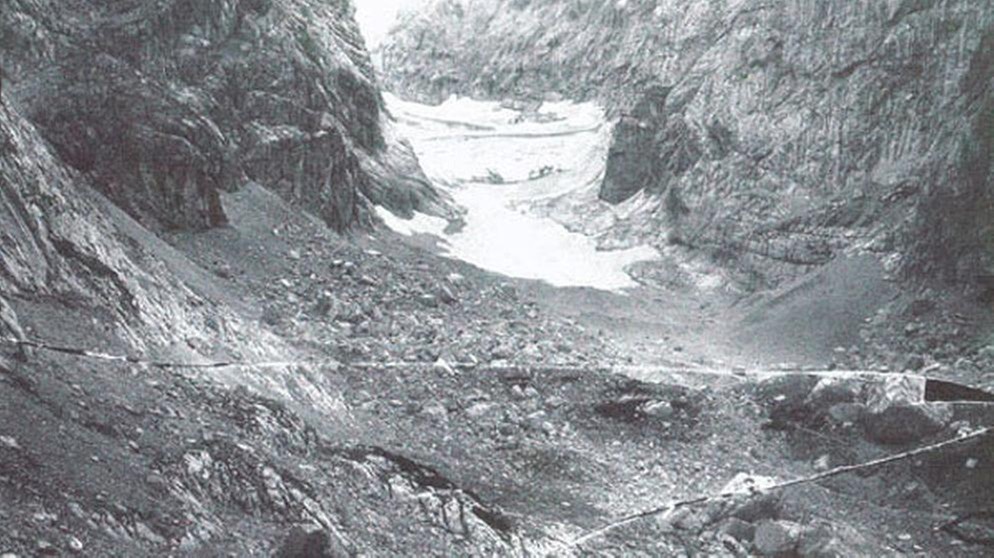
{"type": "Point", "coordinates": [496, 164]}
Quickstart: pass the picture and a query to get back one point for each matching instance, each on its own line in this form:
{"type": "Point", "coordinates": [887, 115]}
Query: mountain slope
{"type": "Point", "coordinates": [166, 104]}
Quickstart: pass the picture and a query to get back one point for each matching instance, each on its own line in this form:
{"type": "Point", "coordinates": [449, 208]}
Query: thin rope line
{"type": "Point", "coordinates": [78, 352]}
{"type": "Point", "coordinates": [672, 506]}
{"type": "Point", "coordinates": [690, 369]}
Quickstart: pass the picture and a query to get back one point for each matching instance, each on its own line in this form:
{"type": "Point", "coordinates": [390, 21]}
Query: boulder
{"type": "Point", "coordinates": [480, 409]}
{"type": "Point", "coordinates": [658, 409]}
{"type": "Point", "coordinates": [446, 295]}
{"type": "Point", "coordinates": [309, 541]}
{"type": "Point", "coordinates": [834, 541]}
{"type": "Point", "coordinates": [896, 390]}
{"type": "Point", "coordinates": [846, 413]}
{"type": "Point", "coordinates": [435, 409]}
{"type": "Point", "coordinates": [777, 538]}
{"type": "Point", "coordinates": [740, 530]}
{"type": "Point", "coordinates": [759, 507]}
{"type": "Point", "coordinates": [901, 424]}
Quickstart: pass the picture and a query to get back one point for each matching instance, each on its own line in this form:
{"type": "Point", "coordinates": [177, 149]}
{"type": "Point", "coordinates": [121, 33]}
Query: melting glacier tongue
{"type": "Point", "coordinates": [496, 163]}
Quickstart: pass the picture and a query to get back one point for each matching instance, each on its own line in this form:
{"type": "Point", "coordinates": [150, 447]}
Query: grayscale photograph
{"type": "Point", "coordinates": [486, 278]}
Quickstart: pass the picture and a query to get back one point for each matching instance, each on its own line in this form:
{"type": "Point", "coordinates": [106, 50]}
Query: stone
{"type": "Point", "coordinates": [442, 365]}
{"type": "Point", "coordinates": [776, 538]}
{"type": "Point", "coordinates": [446, 295]}
{"type": "Point", "coordinates": [846, 413]}
{"type": "Point", "coordinates": [833, 541]}
{"type": "Point", "coordinates": [10, 442]}
{"type": "Point", "coordinates": [75, 544]}
{"type": "Point", "coordinates": [223, 271]}
{"type": "Point", "coordinates": [45, 548]}
{"type": "Point", "coordinates": [765, 506]}
{"type": "Point", "coordinates": [746, 483]}
{"type": "Point", "coordinates": [740, 530]}
{"type": "Point", "coordinates": [156, 480]}
{"type": "Point", "coordinates": [555, 401]}
{"type": "Point", "coordinates": [687, 519]}
{"type": "Point", "coordinates": [914, 363]}
{"type": "Point", "coordinates": [308, 542]}
{"type": "Point", "coordinates": [479, 409]}
{"type": "Point", "coordinates": [901, 424]}
{"type": "Point", "coordinates": [830, 391]}
{"type": "Point", "coordinates": [786, 397]}
{"type": "Point", "coordinates": [895, 390]}
{"type": "Point", "coordinates": [45, 518]}
{"type": "Point", "coordinates": [435, 409]}
{"type": "Point", "coordinates": [146, 533]}
{"type": "Point", "coordinates": [658, 409]}
{"type": "Point", "coordinates": [535, 421]}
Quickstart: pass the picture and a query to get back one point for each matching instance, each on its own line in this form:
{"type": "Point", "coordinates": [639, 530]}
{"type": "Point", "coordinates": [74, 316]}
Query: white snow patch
{"type": "Point", "coordinates": [419, 224]}
{"type": "Point", "coordinates": [461, 141]}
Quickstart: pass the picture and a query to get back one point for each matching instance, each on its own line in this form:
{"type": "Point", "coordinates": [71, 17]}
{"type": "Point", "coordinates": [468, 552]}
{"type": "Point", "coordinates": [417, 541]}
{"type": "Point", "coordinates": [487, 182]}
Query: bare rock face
{"type": "Point", "coordinates": [777, 134]}
{"type": "Point", "coordinates": [63, 241]}
{"type": "Point", "coordinates": [49, 244]}
{"type": "Point", "coordinates": [165, 104]}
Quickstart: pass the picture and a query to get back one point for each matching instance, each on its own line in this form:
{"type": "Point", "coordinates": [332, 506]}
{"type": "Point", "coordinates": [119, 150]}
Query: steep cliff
{"type": "Point", "coordinates": [773, 135]}
{"type": "Point", "coordinates": [165, 104]}
{"type": "Point", "coordinates": [62, 247]}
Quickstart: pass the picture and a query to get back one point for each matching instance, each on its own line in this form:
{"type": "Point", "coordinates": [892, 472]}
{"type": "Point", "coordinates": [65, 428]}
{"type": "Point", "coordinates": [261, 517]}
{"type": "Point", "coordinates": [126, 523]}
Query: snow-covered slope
{"type": "Point", "coordinates": [501, 166]}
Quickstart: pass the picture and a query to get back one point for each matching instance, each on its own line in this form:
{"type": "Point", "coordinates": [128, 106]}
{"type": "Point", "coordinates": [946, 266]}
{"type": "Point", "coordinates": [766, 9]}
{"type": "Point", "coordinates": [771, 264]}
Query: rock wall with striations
{"type": "Point", "coordinates": [775, 134]}
{"type": "Point", "coordinates": [64, 247]}
{"type": "Point", "coordinates": [165, 103]}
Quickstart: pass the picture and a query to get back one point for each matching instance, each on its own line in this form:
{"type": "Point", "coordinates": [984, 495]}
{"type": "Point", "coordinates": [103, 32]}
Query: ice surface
{"type": "Point", "coordinates": [462, 142]}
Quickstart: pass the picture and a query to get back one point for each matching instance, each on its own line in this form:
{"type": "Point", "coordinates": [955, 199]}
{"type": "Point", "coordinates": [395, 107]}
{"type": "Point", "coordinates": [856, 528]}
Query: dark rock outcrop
{"type": "Point", "coordinates": [54, 241]}
{"type": "Point", "coordinates": [165, 104]}
{"type": "Point", "coordinates": [781, 134]}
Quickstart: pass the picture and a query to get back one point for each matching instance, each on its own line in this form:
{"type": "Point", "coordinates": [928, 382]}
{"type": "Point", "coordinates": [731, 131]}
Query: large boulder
{"type": "Point", "coordinates": [905, 423]}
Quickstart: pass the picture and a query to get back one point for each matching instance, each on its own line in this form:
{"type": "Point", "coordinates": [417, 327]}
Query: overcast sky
{"type": "Point", "coordinates": [376, 16]}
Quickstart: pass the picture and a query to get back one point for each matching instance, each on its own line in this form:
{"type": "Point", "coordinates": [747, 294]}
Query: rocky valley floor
{"type": "Point", "coordinates": [498, 427]}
